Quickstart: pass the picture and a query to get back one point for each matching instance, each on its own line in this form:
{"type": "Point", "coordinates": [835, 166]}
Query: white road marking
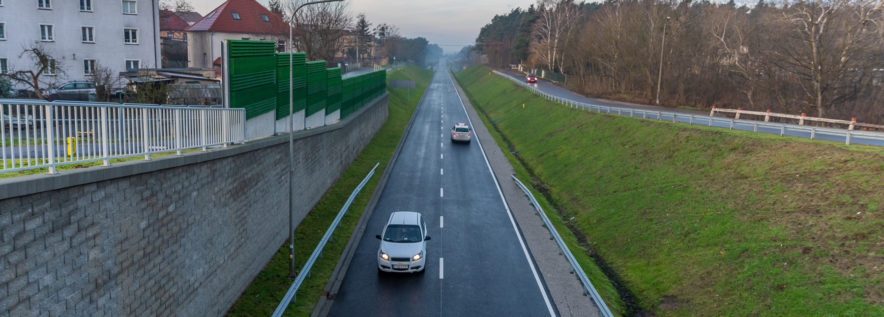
{"type": "Point", "coordinates": [441, 222]}
{"type": "Point", "coordinates": [441, 171]}
{"type": "Point", "coordinates": [441, 268]}
{"type": "Point", "coordinates": [441, 192]}
{"type": "Point", "coordinates": [507, 207]}
{"type": "Point", "coordinates": [441, 156]}
{"type": "Point", "coordinates": [441, 144]}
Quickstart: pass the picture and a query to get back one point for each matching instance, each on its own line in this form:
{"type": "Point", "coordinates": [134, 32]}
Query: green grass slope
{"type": "Point", "coordinates": [268, 288]}
{"type": "Point", "coordinates": [704, 221]}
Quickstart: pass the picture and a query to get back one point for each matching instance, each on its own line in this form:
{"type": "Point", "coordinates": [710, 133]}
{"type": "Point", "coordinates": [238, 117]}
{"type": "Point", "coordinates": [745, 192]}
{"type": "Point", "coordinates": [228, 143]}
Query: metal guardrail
{"type": "Point", "coordinates": [731, 123]}
{"type": "Point", "coordinates": [587, 284]}
{"type": "Point", "coordinates": [305, 271]}
{"type": "Point", "coordinates": [40, 134]}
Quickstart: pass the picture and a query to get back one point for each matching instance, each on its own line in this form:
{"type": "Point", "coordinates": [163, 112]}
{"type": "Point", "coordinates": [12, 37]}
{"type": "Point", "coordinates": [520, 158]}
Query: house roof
{"type": "Point", "coordinates": [189, 16]}
{"type": "Point", "coordinates": [169, 21]}
{"type": "Point", "coordinates": [251, 19]}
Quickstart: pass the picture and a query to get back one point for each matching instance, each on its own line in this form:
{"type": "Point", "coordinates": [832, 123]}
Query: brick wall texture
{"type": "Point", "coordinates": [184, 241]}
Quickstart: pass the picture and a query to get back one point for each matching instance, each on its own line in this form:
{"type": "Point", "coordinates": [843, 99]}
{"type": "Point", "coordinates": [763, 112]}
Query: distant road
{"type": "Point", "coordinates": [552, 89]}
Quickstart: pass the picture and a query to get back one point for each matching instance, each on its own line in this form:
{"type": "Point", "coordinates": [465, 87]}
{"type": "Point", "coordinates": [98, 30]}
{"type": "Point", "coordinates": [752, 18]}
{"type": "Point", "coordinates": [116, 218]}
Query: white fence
{"type": "Point", "coordinates": [845, 135]}
{"type": "Point", "coordinates": [39, 134]}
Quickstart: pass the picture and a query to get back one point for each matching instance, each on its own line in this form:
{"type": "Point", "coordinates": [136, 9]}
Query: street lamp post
{"type": "Point", "coordinates": [292, 138]}
{"type": "Point", "coordinates": [660, 74]}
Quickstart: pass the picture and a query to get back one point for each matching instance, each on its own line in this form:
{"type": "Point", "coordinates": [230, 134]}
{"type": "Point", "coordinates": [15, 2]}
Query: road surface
{"type": "Point", "coordinates": [477, 264]}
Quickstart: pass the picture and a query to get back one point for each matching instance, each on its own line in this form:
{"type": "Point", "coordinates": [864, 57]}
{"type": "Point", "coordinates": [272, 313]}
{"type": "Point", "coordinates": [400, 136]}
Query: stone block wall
{"type": "Point", "coordinates": [172, 236]}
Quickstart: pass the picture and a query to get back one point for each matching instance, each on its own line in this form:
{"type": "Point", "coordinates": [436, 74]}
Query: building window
{"type": "Point", "coordinates": [46, 34]}
{"type": "Point", "coordinates": [236, 15]}
{"type": "Point", "coordinates": [50, 71]}
{"type": "Point", "coordinates": [265, 18]}
{"type": "Point", "coordinates": [89, 66]}
{"type": "Point", "coordinates": [2, 31]}
{"type": "Point", "coordinates": [130, 7]}
{"type": "Point", "coordinates": [44, 4]}
{"type": "Point", "coordinates": [130, 36]}
{"type": "Point", "coordinates": [132, 65]}
{"type": "Point", "coordinates": [88, 34]}
{"type": "Point", "coordinates": [85, 5]}
{"type": "Point", "coordinates": [3, 67]}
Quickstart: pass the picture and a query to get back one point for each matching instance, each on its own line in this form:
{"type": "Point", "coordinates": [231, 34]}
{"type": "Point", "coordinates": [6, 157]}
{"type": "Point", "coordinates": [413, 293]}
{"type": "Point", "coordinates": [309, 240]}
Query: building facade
{"type": "Point", "coordinates": [232, 20]}
{"type": "Point", "coordinates": [79, 35]}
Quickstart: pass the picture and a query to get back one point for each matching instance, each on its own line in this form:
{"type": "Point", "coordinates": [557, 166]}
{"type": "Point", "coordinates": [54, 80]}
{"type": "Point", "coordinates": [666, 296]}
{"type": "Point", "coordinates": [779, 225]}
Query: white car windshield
{"type": "Point", "coordinates": [402, 233]}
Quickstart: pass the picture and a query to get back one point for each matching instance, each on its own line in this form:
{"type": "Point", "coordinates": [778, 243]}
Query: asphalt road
{"type": "Point", "coordinates": [558, 91]}
{"type": "Point", "coordinates": [477, 263]}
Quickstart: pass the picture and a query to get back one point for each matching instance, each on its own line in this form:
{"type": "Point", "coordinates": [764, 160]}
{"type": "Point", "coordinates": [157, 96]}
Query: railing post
{"type": "Point", "coordinates": [50, 137]}
{"type": "Point", "coordinates": [242, 122]}
{"type": "Point", "coordinates": [225, 127]}
{"type": "Point", "coordinates": [852, 124]}
{"type": "Point", "coordinates": [767, 116]}
{"type": "Point", "coordinates": [104, 137]}
{"type": "Point", "coordinates": [712, 112]}
{"type": "Point", "coordinates": [145, 133]}
{"type": "Point", "coordinates": [203, 128]}
{"type": "Point", "coordinates": [801, 120]}
{"type": "Point", "coordinates": [738, 113]}
{"type": "Point", "coordinates": [178, 132]}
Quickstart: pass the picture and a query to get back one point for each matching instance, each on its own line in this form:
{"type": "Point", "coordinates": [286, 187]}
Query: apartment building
{"type": "Point", "coordinates": [80, 34]}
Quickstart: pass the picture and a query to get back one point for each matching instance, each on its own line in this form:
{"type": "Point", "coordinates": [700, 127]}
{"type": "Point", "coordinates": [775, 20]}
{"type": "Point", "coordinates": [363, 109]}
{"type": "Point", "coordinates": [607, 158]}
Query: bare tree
{"type": "Point", "coordinates": [43, 64]}
{"type": "Point", "coordinates": [183, 6]}
{"type": "Point", "coordinates": [275, 6]}
{"type": "Point", "coordinates": [105, 81]}
{"type": "Point", "coordinates": [558, 18]}
{"type": "Point", "coordinates": [320, 28]}
{"type": "Point", "coordinates": [826, 45]}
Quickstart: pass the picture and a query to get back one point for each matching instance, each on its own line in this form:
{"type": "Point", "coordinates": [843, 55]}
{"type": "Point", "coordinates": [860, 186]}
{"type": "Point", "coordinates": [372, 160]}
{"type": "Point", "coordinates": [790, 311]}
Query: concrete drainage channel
{"type": "Point", "coordinates": [337, 278]}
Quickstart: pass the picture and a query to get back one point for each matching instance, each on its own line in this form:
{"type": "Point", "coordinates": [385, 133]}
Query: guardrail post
{"type": "Point", "coordinates": [644, 114]}
{"type": "Point", "coordinates": [658, 115]}
{"type": "Point", "coordinates": [755, 127]}
{"type": "Point", "coordinates": [203, 129]}
{"type": "Point", "coordinates": [732, 124]}
{"type": "Point", "coordinates": [104, 137]}
{"type": "Point", "coordinates": [782, 130]}
{"type": "Point", "coordinates": [673, 117]}
{"type": "Point", "coordinates": [691, 122]}
{"type": "Point", "coordinates": [178, 132]}
{"type": "Point", "coordinates": [145, 133]}
{"type": "Point", "coordinates": [50, 137]}
{"type": "Point", "coordinates": [812, 133]}
{"type": "Point", "coordinates": [847, 138]}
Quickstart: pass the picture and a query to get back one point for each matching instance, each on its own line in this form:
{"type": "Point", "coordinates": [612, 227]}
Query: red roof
{"type": "Point", "coordinates": [169, 21]}
{"type": "Point", "coordinates": [251, 19]}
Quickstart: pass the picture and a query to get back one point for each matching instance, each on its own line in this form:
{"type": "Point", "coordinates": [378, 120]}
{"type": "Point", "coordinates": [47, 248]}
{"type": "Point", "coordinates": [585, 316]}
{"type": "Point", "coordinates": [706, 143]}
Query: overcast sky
{"type": "Point", "coordinates": [449, 23]}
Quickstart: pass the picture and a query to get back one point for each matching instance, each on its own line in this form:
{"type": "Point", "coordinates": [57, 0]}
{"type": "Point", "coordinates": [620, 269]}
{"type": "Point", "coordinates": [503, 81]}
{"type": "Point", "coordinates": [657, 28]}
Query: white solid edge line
{"type": "Point", "coordinates": [441, 268]}
{"type": "Point", "coordinates": [506, 206]}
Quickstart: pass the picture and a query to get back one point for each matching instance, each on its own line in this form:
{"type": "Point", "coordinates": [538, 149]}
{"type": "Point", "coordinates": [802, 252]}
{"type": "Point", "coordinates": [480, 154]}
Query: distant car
{"type": "Point", "coordinates": [403, 246]}
{"type": "Point", "coordinates": [460, 132]}
{"type": "Point", "coordinates": [531, 78]}
{"type": "Point", "coordinates": [73, 90]}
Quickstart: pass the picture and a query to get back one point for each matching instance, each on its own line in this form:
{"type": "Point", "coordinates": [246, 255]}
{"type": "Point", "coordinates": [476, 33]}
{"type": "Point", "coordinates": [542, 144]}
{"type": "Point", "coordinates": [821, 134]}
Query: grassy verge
{"type": "Point", "coordinates": [268, 288]}
{"type": "Point", "coordinates": [703, 221]}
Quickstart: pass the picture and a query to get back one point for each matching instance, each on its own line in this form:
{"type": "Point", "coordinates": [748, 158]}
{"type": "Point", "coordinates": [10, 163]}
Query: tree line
{"type": "Point", "coordinates": [820, 57]}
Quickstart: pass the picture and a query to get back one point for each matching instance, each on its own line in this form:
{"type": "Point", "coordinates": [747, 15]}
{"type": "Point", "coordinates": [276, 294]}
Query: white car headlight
{"type": "Point", "coordinates": [417, 256]}
{"type": "Point", "coordinates": [385, 256]}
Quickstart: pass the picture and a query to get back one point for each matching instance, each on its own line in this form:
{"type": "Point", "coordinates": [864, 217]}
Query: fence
{"type": "Point", "coordinates": [588, 288]}
{"type": "Point", "coordinates": [40, 134]}
{"type": "Point", "coordinates": [847, 136]}
{"type": "Point", "coordinates": [305, 271]}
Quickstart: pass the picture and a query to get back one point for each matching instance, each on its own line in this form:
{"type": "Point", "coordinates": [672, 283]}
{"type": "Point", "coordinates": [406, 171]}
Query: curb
{"type": "Point", "coordinates": [326, 300]}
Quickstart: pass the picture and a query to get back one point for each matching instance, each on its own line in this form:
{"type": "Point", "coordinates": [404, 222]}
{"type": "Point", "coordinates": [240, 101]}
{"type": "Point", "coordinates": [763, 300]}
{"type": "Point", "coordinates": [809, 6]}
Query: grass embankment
{"type": "Point", "coordinates": [268, 288]}
{"type": "Point", "coordinates": [704, 221]}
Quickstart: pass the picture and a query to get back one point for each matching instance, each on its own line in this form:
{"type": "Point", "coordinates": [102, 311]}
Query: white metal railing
{"type": "Point", "coordinates": [40, 134]}
{"type": "Point", "coordinates": [848, 136]}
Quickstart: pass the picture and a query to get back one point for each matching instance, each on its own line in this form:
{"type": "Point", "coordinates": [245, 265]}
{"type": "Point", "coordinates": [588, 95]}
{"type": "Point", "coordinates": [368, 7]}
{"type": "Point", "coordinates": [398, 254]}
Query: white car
{"type": "Point", "coordinates": [403, 244]}
{"type": "Point", "coordinates": [460, 132]}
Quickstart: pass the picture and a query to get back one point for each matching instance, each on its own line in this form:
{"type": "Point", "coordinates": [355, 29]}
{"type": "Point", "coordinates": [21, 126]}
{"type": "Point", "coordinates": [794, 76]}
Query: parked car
{"type": "Point", "coordinates": [460, 132]}
{"type": "Point", "coordinates": [531, 78]}
{"type": "Point", "coordinates": [403, 246]}
{"type": "Point", "coordinates": [73, 90]}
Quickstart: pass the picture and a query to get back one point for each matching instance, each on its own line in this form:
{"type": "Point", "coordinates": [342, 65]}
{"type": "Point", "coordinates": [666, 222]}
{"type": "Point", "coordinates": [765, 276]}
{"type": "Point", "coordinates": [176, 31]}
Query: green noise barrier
{"type": "Point", "coordinates": [259, 82]}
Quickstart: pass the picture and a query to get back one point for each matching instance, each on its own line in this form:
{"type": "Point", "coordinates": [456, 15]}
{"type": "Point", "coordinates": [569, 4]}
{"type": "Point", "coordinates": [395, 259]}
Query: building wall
{"type": "Point", "coordinates": [208, 44]}
{"type": "Point", "coordinates": [23, 19]}
{"type": "Point", "coordinates": [182, 236]}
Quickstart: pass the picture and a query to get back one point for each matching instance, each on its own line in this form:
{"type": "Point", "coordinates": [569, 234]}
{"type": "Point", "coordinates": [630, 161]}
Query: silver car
{"type": "Point", "coordinates": [404, 243]}
{"type": "Point", "coordinates": [460, 132]}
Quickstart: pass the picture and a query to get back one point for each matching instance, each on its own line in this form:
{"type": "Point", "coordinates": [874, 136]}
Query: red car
{"type": "Point", "coordinates": [531, 78]}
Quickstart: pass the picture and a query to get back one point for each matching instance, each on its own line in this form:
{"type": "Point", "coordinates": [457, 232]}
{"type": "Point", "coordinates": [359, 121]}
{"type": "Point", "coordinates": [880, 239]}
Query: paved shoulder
{"type": "Point", "coordinates": [564, 287]}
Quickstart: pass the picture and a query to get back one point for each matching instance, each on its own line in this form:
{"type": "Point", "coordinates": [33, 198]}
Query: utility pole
{"type": "Point", "coordinates": [660, 74]}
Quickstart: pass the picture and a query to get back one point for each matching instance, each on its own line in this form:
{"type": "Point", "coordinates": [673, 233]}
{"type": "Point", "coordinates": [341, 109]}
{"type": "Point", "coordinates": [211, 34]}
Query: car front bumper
{"type": "Point", "coordinates": [401, 266]}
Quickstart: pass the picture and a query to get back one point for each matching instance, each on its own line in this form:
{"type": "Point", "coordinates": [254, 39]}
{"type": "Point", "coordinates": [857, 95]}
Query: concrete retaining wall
{"type": "Point", "coordinates": [172, 236]}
